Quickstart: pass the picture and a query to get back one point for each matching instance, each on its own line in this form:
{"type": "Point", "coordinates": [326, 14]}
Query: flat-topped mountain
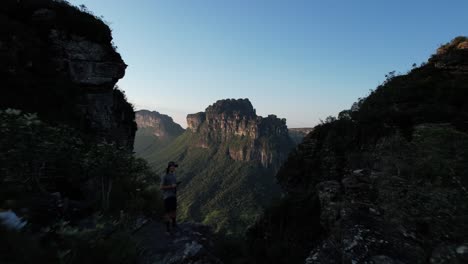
{"type": "Point", "coordinates": [248, 137]}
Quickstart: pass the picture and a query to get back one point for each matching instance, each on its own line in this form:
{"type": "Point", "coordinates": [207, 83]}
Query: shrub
{"type": "Point", "coordinates": [39, 158]}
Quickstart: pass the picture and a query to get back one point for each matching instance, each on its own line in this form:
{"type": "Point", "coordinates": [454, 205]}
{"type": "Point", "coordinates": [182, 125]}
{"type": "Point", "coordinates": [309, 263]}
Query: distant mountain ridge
{"type": "Point", "coordinates": [155, 130]}
{"type": "Point", "coordinates": [228, 157]}
{"type": "Point", "coordinates": [298, 133]}
{"type": "Point", "coordinates": [163, 125]}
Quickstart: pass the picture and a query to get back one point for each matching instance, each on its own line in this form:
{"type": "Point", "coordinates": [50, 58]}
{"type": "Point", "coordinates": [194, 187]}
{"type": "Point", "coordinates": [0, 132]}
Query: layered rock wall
{"type": "Point", "coordinates": [249, 137]}
{"type": "Point", "coordinates": [161, 126]}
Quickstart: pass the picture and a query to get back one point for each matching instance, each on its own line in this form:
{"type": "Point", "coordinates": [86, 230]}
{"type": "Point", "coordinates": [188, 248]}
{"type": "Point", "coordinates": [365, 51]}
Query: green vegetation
{"type": "Point", "coordinates": [147, 144]}
{"type": "Point", "coordinates": [432, 185]}
{"type": "Point", "coordinates": [411, 133]}
{"type": "Point", "coordinates": [215, 189]}
{"type": "Point", "coordinates": [80, 194]}
{"type": "Point", "coordinates": [40, 158]}
{"type": "Point", "coordinates": [34, 81]}
{"type": "Point", "coordinates": [155, 132]}
{"type": "Point", "coordinates": [101, 184]}
{"type": "Point", "coordinates": [62, 243]}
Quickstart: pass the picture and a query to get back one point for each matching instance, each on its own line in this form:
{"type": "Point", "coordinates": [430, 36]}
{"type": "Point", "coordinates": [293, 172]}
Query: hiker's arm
{"type": "Point", "coordinates": [167, 187]}
{"type": "Point", "coordinates": [165, 184]}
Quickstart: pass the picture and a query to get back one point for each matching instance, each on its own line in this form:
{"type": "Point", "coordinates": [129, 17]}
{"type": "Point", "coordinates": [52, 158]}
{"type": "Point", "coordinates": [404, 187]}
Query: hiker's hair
{"type": "Point", "coordinates": [167, 169]}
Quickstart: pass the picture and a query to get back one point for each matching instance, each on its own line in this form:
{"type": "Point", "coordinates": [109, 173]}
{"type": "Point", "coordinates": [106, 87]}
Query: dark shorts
{"type": "Point", "coordinates": [170, 204]}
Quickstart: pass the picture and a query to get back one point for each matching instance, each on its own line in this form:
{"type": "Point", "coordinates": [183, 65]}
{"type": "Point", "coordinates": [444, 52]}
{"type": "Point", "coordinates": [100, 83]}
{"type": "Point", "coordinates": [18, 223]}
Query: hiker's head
{"type": "Point", "coordinates": [171, 166]}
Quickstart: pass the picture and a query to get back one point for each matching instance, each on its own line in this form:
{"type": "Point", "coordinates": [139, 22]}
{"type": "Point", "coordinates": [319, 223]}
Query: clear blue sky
{"type": "Point", "coordinates": [299, 59]}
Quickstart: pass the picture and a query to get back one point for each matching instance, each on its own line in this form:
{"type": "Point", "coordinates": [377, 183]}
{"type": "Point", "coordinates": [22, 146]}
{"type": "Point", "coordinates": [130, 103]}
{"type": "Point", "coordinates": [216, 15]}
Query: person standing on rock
{"type": "Point", "coordinates": [169, 188]}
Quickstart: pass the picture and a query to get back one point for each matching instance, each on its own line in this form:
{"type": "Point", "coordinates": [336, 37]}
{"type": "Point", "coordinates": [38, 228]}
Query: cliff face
{"type": "Point", "coordinates": [227, 159]}
{"type": "Point", "coordinates": [224, 120]}
{"type": "Point", "coordinates": [452, 56]}
{"type": "Point", "coordinates": [155, 131]}
{"type": "Point", "coordinates": [249, 137]}
{"type": "Point", "coordinates": [60, 63]}
{"type": "Point", "coordinates": [383, 183]}
{"type": "Point", "coordinates": [194, 121]}
{"type": "Point", "coordinates": [161, 126]}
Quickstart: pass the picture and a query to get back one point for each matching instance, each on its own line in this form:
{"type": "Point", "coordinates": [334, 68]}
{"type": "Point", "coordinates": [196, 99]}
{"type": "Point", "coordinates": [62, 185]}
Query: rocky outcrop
{"type": "Point", "coordinates": [155, 131]}
{"type": "Point", "coordinates": [89, 64]}
{"type": "Point", "coordinates": [60, 63]}
{"type": "Point", "coordinates": [249, 137]}
{"type": "Point", "coordinates": [161, 126]}
{"type": "Point", "coordinates": [383, 217]}
{"type": "Point", "coordinates": [225, 119]}
{"type": "Point", "coordinates": [452, 56]}
{"type": "Point", "coordinates": [192, 243]}
{"type": "Point", "coordinates": [382, 183]}
{"type": "Point", "coordinates": [194, 121]}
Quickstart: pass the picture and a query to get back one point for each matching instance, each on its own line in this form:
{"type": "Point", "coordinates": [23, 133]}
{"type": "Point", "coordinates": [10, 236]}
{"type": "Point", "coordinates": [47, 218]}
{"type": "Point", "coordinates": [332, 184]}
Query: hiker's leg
{"type": "Point", "coordinates": [173, 212]}
{"type": "Point", "coordinates": [173, 219]}
{"type": "Point", "coordinates": [167, 215]}
{"type": "Point", "coordinates": [167, 219]}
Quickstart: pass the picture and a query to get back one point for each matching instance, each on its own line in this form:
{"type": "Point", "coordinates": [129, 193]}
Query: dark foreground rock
{"type": "Point", "coordinates": [385, 181]}
{"type": "Point", "coordinates": [189, 245]}
{"type": "Point", "coordinates": [60, 62]}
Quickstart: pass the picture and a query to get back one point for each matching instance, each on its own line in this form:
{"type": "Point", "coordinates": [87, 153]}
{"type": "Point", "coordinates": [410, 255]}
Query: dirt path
{"type": "Point", "coordinates": [187, 245]}
{"type": "Point", "coordinates": [153, 242]}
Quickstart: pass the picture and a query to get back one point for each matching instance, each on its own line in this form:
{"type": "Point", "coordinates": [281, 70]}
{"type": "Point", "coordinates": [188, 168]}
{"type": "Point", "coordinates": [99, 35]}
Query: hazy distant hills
{"type": "Point", "coordinates": [228, 158]}
{"type": "Point", "coordinates": [298, 134]}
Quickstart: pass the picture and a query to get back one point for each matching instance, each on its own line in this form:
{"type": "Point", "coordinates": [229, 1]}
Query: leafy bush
{"type": "Point", "coordinates": [426, 182]}
{"type": "Point", "coordinates": [65, 244]}
{"type": "Point", "coordinates": [34, 155]}
{"type": "Point", "coordinates": [104, 244]}
{"type": "Point", "coordinates": [39, 158]}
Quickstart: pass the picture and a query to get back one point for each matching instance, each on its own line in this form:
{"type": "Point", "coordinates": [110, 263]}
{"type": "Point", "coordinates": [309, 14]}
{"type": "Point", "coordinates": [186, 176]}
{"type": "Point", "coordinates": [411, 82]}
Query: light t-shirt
{"type": "Point", "coordinates": [169, 179]}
